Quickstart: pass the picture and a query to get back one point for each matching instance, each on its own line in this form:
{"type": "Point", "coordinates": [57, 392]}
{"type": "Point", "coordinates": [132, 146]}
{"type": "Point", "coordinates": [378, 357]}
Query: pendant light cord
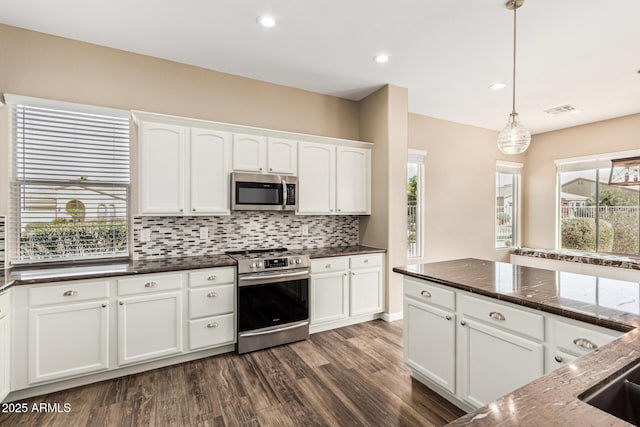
{"type": "Point", "coordinates": [513, 98]}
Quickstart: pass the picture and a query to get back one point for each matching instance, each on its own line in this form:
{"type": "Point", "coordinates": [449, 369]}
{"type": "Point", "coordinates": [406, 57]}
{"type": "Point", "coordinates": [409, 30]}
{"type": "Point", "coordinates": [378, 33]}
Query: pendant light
{"type": "Point", "coordinates": [514, 138]}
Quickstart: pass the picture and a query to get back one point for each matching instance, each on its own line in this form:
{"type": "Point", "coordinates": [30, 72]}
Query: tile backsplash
{"type": "Point", "coordinates": [2, 241]}
{"type": "Point", "coordinates": [180, 236]}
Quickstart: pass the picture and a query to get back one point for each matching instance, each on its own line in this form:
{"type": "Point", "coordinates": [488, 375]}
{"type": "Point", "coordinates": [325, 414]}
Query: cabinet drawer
{"type": "Point", "coordinates": [208, 277]}
{"type": "Point", "coordinates": [503, 316]}
{"type": "Point", "coordinates": [149, 283]}
{"type": "Point", "coordinates": [68, 292]}
{"type": "Point", "coordinates": [364, 261]}
{"type": "Point", "coordinates": [578, 340]}
{"type": "Point", "coordinates": [5, 304]}
{"type": "Point", "coordinates": [213, 331]}
{"type": "Point", "coordinates": [211, 301]}
{"type": "Point", "coordinates": [430, 294]}
{"type": "Point", "coordinates": [325, 265]}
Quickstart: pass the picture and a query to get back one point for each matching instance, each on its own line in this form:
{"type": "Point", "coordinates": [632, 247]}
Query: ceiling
{"type": "Point", "coordinates": [580, 52]}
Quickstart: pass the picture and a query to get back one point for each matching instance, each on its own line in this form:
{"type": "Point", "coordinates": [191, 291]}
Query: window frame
{"type": "Point", "coordinates": [415, 156]}
{"type": "Point", "coordinates": [515, 170]}
{"type": "Point", "coordinates": [14, 218]}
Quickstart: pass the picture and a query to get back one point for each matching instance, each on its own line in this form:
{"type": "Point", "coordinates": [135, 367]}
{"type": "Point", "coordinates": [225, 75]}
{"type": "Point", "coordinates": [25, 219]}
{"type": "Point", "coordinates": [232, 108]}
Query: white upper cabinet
{"type": "Point", "coordinates": [282, 156]}
{"type": "Point", "coordinates": [316, 178]}
{"type": "Point", "coordinates": [353, 180]}
{"type": "Point", "coordinates": [183, 170]}
{"type": "Point", "coordinates": [249, 153]}
{"type": "Point", "coordinates": [210, 165]}
{"type": "Point", "coordinates": [163, 152]}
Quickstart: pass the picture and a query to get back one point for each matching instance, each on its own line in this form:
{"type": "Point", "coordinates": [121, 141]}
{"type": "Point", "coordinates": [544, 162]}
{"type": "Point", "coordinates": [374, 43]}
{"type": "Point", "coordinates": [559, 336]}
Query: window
{"type": "Point", "coordinates": [415, 178]}
{"type": "Point", "coordinates": [594, 216]}
{"type": "Point", "coordinates": [507, 206]}
{"type": "Point", "coordinates": [69, 181]}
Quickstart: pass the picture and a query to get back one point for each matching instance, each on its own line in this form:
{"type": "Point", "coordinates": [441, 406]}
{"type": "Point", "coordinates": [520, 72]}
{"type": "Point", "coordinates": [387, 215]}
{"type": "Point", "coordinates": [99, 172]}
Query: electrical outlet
{"type": "Point", "coordinates": [145, 235]}
{"type": "Point", "coordinates": [305, 230]}
{"type": "Point", "coordinates": [204, 232]}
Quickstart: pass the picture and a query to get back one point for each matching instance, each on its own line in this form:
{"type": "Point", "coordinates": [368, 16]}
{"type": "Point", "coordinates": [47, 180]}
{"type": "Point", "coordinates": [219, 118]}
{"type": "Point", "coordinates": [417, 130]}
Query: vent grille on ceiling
{"type": "Point", "coordinates": [562, 110]}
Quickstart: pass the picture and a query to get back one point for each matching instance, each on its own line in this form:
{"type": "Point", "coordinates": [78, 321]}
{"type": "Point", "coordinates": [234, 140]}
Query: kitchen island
{"type": "Point", "coordinates": [552, 399]}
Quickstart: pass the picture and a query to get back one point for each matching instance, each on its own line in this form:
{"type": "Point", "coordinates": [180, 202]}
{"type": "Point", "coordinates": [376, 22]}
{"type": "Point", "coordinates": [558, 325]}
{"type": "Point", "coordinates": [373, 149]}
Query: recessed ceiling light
{"type": "Point", "coordinates": [266, 21]}
{"type": "Point", "coordinates": [381, 58]}
{"type": "Point", "coordinates": [563, 109]}
{"type": "Point", "coordinates": [497, 86]}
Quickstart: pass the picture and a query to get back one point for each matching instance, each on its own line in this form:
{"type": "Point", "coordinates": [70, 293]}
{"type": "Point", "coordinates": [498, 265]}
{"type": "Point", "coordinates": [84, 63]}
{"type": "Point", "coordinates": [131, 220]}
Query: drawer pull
{"type": "Point", "coordinates": [212, 278]}
{"type": "Point", "coordinates": [212, 294]}
{"type": "Point", "coordinates": [426, 294]}
{"type": "Point", "coordinates": [104, 305]}
{"type": "Point", "coordinates": [71, 293]}
{"type": "Point", "coordinates": [447, 317]}
{"type": "Point", "coordinates": [151, 284]}
{"type": "Point", "coordinates": [496, 315]}
{"type": "Point", "coordinates": [559, 359]}
{"type": "Point", "coordinates": [328, 266]}
{"type": "Point", "coordinates": [585, 343]}
{"type": "Point", "coordinates": [212, 325]}
{"type": "Point", "coordinates": [366, 260]}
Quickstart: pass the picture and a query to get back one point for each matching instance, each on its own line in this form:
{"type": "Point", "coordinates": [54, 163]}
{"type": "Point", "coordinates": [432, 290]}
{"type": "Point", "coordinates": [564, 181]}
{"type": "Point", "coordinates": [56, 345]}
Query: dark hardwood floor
{"type": "Point", "coordinates": [353, 376]}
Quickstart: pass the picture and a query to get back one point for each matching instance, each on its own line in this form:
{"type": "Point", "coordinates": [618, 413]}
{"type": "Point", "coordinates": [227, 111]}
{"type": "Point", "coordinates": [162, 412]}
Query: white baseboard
{"type": "Point", "coordinates": [392, 317]}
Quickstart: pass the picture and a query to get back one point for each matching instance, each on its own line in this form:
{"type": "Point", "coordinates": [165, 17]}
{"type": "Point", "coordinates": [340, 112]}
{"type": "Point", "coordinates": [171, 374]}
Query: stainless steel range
{"type": "Point", "coordinates": [273, 298]}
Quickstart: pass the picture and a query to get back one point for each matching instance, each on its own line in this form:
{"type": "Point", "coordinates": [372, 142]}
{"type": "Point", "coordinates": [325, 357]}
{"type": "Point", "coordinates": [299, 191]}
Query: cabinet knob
{"type": "Point", "coordinates": [212, 294]}
{"type": "Point", "coordinates": [212, 325]}
{"type": "Point", "coordinates": [330, 210]}
{"type": "Point", "coordinates": [270, 169]}
{"type": "Point", "coordinates": [328, 266]}
{"type": "Point", "coordinates": [181, 210]}
{"type": "Point", "coordinates": [344, 274]}
{"type": "Point", "coordinates": [70, 293]}
{"type": "Point", "coordinates": [585, 343]}
{"type": "Point", "coordinates": [496, 315]}
{"type": "Point", "coordinates": [194, 209]}
{"type": "Point", "coordinates": [121, 303]}
{"type": "Point", "coordinates": [259, 168]}
{"type": "Point", "coordinates": [462, 322]}
{"type": "Point", "coordinates": [447, 317]}
{"type": "Point", "coordinates": [212, 278]}
{"type": "Point", "coordinates": [559, 359]}
{"type": "Point", "coordinates": [426, 294]}
{"type": "Point", "coordinates": [151, 284]}
{"type": "Point", "coordinates": [339, 210]}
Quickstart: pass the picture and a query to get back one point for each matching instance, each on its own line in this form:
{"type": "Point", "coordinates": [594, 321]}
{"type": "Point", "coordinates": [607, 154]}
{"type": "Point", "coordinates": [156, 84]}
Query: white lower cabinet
{"type": "Point", "coordinates": [345, 290]}
{"type": "Point", "coordinates": [495, 362]}
{"type": "Point", "coordinates": [473, 349]}
{"type": "Point", "coordinates": [68, 340]}
{"type": "Point", "coordinates": [429, 342]}
{"type": "Point", "coordinates": [5, 345]}
{"type": "Point", "coordinates": [212, 331]}
{"type": "Point", "coordinates": [149, 327]}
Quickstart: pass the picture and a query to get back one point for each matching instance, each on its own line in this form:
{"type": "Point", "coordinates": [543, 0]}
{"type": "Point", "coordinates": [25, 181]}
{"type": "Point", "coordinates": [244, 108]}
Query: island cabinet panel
{"type": "Point", "coordinates": [495, 362]}
{"type": "Point", "coordinates": [429, 342]}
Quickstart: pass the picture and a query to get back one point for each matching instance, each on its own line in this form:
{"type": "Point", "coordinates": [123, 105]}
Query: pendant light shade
{"type": "Point", "coordinates": [514, 138]}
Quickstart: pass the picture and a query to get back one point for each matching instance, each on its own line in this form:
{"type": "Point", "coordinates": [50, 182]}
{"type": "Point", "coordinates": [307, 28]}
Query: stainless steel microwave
{"type": "Point", "coordinates": [258, 192]}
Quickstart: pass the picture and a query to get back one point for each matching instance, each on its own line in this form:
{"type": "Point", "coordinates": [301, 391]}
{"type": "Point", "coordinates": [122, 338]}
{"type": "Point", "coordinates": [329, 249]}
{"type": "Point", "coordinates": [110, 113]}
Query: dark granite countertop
{"type": "Point", "coordinates": [606, 260]}
{"type": "Point", "coordinates": [553, 398]}
{"type": "Point", "coordinates": [46, 274]}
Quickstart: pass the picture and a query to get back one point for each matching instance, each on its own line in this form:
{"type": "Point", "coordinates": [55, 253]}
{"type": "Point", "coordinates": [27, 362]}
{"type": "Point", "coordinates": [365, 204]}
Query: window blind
{"type": "Point", "coordinates": [70, 184]}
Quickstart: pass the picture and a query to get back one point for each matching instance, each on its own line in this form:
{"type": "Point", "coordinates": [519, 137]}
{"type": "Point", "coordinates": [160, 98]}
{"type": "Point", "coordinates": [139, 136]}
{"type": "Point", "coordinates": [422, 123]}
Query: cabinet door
{"type": "Point", "coordinates": [149, 327]}
{"type": "Point", "coordinates": [68, 340]}
{"type": "Point", "coordinates": [316, 178]}
{"type": "Point", "coordinates": [282, 156]}
{"type": "Point", "coordinates": [429, 342]}
{"type": "Point", "coordinates": [366, 292]}
{"type": "Point", "coordinates": [249, 153]}
{"type": "Point", "coordinates": [329, 297]}
{"type": "Point", "coordinates": [163, 159]}
{"type": "Point", "coordinates": [494, 362]}
{"type": "Point", "coordinates": [353, 180]}
{"type": "Point", "coordinates": [210, 167]}
{"type": "Point", "coordinates": [5, 350]}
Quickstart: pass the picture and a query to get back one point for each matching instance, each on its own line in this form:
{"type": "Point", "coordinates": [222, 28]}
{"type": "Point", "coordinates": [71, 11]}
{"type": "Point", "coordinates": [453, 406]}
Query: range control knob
{"type": "Point", "coordinates": [260, 264]}
{"type": "Point", "coordinates": [298, 261]}
{"type": "Point", "coordinates": [253, 264]}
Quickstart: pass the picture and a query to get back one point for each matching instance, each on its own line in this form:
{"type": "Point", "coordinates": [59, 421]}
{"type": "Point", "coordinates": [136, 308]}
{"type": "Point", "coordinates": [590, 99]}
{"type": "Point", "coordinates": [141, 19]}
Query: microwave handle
{"type": "Point", "coordinates": [284, 193]}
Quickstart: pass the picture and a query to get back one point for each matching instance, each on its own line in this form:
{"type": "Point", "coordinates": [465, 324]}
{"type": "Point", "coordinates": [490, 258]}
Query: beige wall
{"type": "Point", "coordinates": [459, 192]}
{"type": "Point", "coordinates": [608, 136]}
{"type": "Point", "coordinates": [383, 121]}
{"type": "Point", "coordinates": [39, 65]}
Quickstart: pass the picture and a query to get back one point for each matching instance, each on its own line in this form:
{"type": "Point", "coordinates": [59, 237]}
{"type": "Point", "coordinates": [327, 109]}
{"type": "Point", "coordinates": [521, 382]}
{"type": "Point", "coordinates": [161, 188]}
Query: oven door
{"type": "Point", "coordinates": [273, 309]}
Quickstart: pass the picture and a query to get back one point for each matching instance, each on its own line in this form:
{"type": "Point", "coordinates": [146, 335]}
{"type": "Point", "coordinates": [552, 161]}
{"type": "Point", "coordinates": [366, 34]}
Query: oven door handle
{"type": "Point", "coordinates": [272, 331]}
{"type": "Point", "coordinates": [272, 276]}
